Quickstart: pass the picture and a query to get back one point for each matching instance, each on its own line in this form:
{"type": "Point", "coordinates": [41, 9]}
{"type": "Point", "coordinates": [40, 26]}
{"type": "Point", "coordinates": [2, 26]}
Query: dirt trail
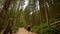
{"type": "Point", "coordinates": [23, 31]}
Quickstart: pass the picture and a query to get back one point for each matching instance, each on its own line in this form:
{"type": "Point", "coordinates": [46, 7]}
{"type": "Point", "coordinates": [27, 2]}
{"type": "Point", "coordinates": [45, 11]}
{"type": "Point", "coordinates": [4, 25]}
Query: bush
{"type": "Point", "coordinates": [48, 31]}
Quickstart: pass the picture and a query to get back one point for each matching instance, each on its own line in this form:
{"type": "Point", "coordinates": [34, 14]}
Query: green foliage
{"type": "Point", "coordinates": [35, 28]}
{"type": "Point", "coordinates": [50, 30]}
{"type": "Point", "coordinates": [47, 30]}
{"type": "Point", "coordinates": [52, 20]}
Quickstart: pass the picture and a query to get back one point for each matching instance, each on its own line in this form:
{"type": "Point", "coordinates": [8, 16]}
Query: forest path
{"type": "Point", "coordinates": [23, 31]}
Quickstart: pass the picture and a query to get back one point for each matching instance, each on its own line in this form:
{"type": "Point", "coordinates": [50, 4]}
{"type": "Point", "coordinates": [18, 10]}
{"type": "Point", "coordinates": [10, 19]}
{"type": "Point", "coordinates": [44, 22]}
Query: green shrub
{"type": "Point", "coordinates": [47, 31]}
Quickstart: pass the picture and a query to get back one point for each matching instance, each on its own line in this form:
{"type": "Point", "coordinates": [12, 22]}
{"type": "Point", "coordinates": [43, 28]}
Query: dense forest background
{"type": "Point", "coordinates": [43, 15]}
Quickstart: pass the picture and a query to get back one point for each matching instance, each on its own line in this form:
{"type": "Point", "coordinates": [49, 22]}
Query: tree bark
{"type": "Point", "coordinates": [3, 13]}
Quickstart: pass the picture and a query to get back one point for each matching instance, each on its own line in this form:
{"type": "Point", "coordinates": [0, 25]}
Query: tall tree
{"type": "Point", "coordinates": [4, 12]}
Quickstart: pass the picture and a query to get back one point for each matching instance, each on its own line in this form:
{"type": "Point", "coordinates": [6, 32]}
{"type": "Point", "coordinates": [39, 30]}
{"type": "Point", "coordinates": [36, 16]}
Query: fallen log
{"type": "Point", "coordinates": [57, 22]}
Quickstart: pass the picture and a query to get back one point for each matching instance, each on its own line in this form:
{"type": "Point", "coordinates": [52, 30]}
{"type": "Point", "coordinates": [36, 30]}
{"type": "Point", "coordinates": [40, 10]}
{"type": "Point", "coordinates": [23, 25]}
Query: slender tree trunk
{"type": "Point", "coordinates": [9, 26]}
{"type": "Point", "coordinates": [46, 12]}
{"type": "Point", "coordinates": [3, 13]}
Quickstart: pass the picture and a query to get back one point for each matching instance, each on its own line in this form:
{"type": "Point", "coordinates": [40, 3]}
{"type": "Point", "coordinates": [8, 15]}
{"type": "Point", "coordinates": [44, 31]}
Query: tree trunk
{"type": "Point", "coordinates": [9, 26]}
{"type": "Point", "coordinates": [4, 12]}
{"type": "Point", "coordinates": [46, 12]}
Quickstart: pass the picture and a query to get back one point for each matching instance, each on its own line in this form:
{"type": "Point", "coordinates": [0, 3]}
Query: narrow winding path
{"type": "Point", "coordinates": [23, 31]}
